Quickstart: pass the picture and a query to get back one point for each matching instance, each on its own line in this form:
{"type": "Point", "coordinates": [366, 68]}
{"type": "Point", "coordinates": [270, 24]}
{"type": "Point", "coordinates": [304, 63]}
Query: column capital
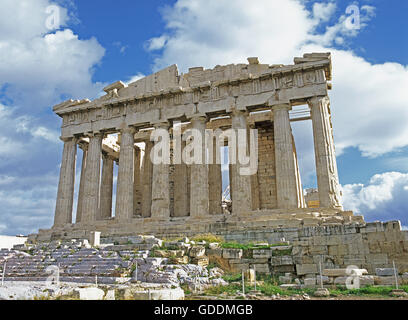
{"type": "Point", "coordinates": [199, 117]}
{"type": "Point", "coordinates": [317, 99]}
{"type": "Point", "coordinates": [281, 106]}
{"type": "Point", "coordinates": [161, 124]}
{"type": "Point", "coordinates": [68, 139]}
{"type": "Point", "coordinates": [198, 121]}
{"type": "Point", "coordinates": [83, 145]}
{"type": "Point", "coordinates": [128, 129]}
{"type": "Point", "coordinates": [92, 134]}
{"type": "Point", "coordinates": [236, 112]}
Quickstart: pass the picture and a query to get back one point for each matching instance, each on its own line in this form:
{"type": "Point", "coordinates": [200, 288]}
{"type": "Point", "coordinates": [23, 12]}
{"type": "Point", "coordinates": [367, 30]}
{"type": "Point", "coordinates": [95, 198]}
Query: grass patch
{"type": "Point", "coordinates": [369, 290]}
{"type": "Point", "coordinates": [232, 277]}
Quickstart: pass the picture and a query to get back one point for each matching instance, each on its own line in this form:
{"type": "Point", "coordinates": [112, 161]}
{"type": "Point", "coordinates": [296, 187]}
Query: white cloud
{"type": "Point", "coordinates": [384, 197]}
{"type": "Point", "coordinates": [39, 67]}
{"type": "Point", "coordinates": [156, 43]}
{"type": "Point", "coordinates": [215, 32]}
{"type": "Point", "coordinates": [134, 78]}
{"type": "Point", "coordinates": [324, 11]}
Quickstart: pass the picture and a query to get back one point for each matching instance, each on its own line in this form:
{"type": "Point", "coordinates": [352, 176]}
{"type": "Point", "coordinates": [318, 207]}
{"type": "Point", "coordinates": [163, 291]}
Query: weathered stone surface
{"type": "Point", "coordinates": [385, 271]}
{"type": "Point", "coordinates": [342, 272]}
{"type": "Point", "coordinates": [232, 253]}
{"type": "Point", "coordinates": [90, 293]}
{"type": "Point", "coordinates": [303, 269]}
{"type": "Point", "coordinates": [197, 251]}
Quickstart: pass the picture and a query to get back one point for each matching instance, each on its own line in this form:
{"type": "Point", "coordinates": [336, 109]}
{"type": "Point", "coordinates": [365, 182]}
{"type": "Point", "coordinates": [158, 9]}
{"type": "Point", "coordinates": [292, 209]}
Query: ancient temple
{"type": "Point", "coordinates": [184, 199]}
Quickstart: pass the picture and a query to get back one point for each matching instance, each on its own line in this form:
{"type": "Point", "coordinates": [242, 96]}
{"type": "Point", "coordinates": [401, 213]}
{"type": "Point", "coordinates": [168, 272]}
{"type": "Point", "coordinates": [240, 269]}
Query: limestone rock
{"type": "Point", "coordinates": [197, 251]}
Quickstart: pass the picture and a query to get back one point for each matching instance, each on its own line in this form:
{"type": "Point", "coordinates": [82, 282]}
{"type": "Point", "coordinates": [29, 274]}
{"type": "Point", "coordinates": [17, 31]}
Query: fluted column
{"type": "Point", "coordinates": [65, 196]}
{"type": "Point", "coordinates": [160, 186]}
{"type": "Point", "coordinates": [181, 198]}
{"type": "Point", "coordinates": [106, 187]}
{"type": "Point", "coordinates": [137, 191]}
{"type": "Point", "coordinates": [124, 193]}
{"type": "Point", "coordinates": [326, 165]}
{"type": "Point", "coordinates": [84, 148]}
{"type": "Point", "coordinates": [199, 191]}
{"type": "Point", "coordinates": [147, 173]}
{"type": "Point", "coordinates": [90, 202]}
{"type": "Point", "coordinates": [241, 184]}
{"type": "Point", "coordinates": [286, 180]}
{"type": "Point", "coordinates": [215, 183]}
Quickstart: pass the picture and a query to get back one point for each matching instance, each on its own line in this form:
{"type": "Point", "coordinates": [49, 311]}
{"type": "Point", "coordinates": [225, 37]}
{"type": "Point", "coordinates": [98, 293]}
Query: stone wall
{"type": "Point", "coordinates": [370, 246]}
{"type": "Point", "coordinates": [266, 166]}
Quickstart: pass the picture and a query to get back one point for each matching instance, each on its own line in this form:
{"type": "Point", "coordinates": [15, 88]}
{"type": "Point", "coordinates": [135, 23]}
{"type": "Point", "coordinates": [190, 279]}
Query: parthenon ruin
{"type": "Point", "coordinates": [176, 199]}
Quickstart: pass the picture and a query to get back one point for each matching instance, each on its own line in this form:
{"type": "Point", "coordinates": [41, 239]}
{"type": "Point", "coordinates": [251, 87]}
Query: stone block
{"type": "Point", "coordinates": [385, 271]}
{"type": "Point", "coordinates": [377, 258]}
{"type": "Point", "coordinates": [281, 260]}
{"type": "Point", "coordinates": [354, 260]}
{"type": "Point", "coordinates": [250, 275]}
{"type": "Point", "coordinates": [240, 266]}
{"type": "Point", "coordinates": [89, 293]}
{"type": "Point", "coordinates": [197, 251]}
{"type": "Point", "coordinates": [202, 261]}
{"type": "Point", "coordinates": [337, 250]}
{"type": "Point", "coordinates": [180, 260]}
{"type": "Point", "coordinates": [283, 269]}
{"type": "Point", "coordinates": [309, 282]}
{"type": "Point", "coordinates": [261, 253]}
{"type": "Point", "coordinates": [286, 279]}
{"type": "Point", "coordinates": [324, 279]}
{"type": "Point", "coordinates": [261, 268]}
{"type": "Point", "coordinates": [214, 252]}
{"type": "Point", "coordinates": [317, 250]}
{"type": "Point", "coordinates": [95, 238]}
{"type": "Point", "coordinates": [302, 269]}
{"type": "Point", "coordinates": [342, 272]}
{"type": "Point", "coordinates": [386, 280]}
{"type": "Point", "coordinates": [232, 253]}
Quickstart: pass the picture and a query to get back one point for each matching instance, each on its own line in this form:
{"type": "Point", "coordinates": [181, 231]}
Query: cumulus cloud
{"type": "Point", "coordinates": [383, 197]}
{"type": "Point", "coordinates": [41, 63]}
{"type": "Point", "coordinates": [323, 11]}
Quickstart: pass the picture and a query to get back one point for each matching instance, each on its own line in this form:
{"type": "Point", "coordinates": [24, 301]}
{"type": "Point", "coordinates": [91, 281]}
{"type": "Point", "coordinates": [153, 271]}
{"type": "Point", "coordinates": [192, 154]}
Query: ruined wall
{"type": "Point", "coordinates": [370, 246]}
{"type": "Point", "coordinates": [266, 166]}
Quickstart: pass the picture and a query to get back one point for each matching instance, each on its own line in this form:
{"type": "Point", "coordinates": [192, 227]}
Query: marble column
{"type": "Point", "coordinates": [137, 191]}
{"type": "Point", "coordinates": [65, 196]}
{"type": "Point", "coordinates": [124, 192]}
{"type": "Point", "coordinates": [215, 182]}
{"type": "Point", "coordinates": [146, 180]}
{"type": "Point", "coordinates": [242, 202]}
{"type": "Point", "coordinates": [326, 165]}
{"type": "Point", "coordinates": [256, 201]}
{"type": "Point", "coordinates": [160, 186]}
{"type": "Point", "coordinates": [84, 147]}
{"type": "Point", "coordinates": [90, 201]}
{"type": "Point", "coordinates": [199, 191]}
{"type": "Point", "coordinates": [106, 186]}
{"type": "Point", "coordinates": [286, 180]}
{"type": "Point", "coordinates": [181, 198]}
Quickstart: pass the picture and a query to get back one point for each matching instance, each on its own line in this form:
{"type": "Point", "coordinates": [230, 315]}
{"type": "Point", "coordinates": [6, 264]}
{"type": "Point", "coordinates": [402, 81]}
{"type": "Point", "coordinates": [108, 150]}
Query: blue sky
{"type": "Point", "coordinates": [97, 44]}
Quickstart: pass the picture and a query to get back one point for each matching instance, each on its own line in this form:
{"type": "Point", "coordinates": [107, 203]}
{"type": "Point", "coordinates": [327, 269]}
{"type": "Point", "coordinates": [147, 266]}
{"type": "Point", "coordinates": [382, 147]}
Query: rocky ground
{"type": "Point", "coordinates": [144, 265]}
{"type": "Point", "coordinates": [146, 268]}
